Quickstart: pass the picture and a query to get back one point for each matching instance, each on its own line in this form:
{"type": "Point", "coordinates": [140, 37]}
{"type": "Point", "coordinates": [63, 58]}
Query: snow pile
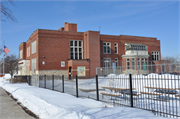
{"type": "Point", "coordinates": [7, 76]}
{"type": "Point", "coordinates": [48, 104]}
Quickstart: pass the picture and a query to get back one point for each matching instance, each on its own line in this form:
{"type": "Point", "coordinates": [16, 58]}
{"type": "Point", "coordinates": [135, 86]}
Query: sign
{"type": "Point", "coordinates": [114, 66]}
{"type": "Point", "coordinates": [129, 71]}
{"type": "Point", "coordinates": [144, 66]}
{"type": "Point", "coordinates": [81, 71]}
{"type": "Point", "coordinates": [43, 62]}
{"type": "Point", "coordinates": [62, 63]}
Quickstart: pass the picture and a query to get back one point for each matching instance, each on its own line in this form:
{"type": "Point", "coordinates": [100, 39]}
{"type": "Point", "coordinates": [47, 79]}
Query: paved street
{"type": "Point", "coordinates": [9, 109]}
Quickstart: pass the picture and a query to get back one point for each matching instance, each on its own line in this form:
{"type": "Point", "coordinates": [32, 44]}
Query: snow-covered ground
{"type": "Point", "coordinates": [48, 104]}
{"type": "Point", "coordinates": [165, 104]}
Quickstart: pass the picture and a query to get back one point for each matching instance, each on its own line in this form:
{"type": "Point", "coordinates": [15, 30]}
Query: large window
{"type": "Point", "coordinates": [155, 55]}
{"type": "Point", "coordinates": [33, 47]}
{"type": "Point", "coordinates": [76, 49]}
{"type": "Point", "coordinates": [106, 48]}
{"type": "Point", "coordinates": [128, 63]}
{"type": "Point", "coordinates": [116, 48]}
{"type": "Point", "coordinates": [20, 54]}
{"type": "Point", "coordinates": [28, 51]}
{"type": "Point", "coordinates": [33, 64]}
{"type": "Point", "coordinates": [133, 63]}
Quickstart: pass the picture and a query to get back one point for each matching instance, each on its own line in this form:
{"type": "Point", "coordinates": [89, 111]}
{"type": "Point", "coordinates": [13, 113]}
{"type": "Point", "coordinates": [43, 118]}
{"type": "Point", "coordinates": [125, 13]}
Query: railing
{"type": "Point", "coordinates": [154, 92]}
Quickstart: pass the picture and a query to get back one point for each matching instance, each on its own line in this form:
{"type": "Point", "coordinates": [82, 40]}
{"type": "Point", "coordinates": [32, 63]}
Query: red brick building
{"type": "Point", "coordinates": [66, 51]}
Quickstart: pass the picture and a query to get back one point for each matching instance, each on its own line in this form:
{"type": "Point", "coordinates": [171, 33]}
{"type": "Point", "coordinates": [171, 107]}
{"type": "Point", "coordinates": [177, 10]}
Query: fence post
{"type": "Point", "coordinates": [131, 94]}
{"type": "Point", "coordinates": [97, 88]}
{"type": "Point", "coordinates": [76, 86]}
{"type": "Point", "coordinates": [63, 83]}
{"type": "Point", "coordinates": [39, 79]}
{"type": "Point", "coordinates": [53, 82]}
{"type": "Point", "coordinates": [44, 81]}
{"type": "Point", "coordinates": [30, 80]}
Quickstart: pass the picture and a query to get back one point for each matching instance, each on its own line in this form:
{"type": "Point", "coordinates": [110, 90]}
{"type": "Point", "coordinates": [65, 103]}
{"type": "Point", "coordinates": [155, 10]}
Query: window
{"type": "Point", "coordinates": [20, 54]}
{"type": "Point", "coordinates": [28, 51]}
{"type": "Point", "coordinates": [155, 55]}
{"type": "Point", "coordinates": [106, 48]}
{"type": "Point", "coordinates": [116, 61]}
{"type": "Point", "coordinates": [33, 47]}
{"type": "Point", "coordinates": [133, 63]}
{"type": "Point", "coordinates": [138, 47]}
{"type": "Point", "coordinates": [138, 62]}
{"type": "Point", "coordinates": [33, 64]}
{"type": "Point", "coordinates": [116, 48]}
{"type": "Point", "coordinates": [107, 62]}
{"type": "Point", "coordinates": [76, 49]}
{"type": "Point", "coordinates": [128, 63]}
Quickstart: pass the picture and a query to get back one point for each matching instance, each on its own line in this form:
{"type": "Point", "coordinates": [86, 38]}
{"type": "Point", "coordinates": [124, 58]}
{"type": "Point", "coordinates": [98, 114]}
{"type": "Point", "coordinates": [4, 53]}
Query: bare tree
{"type": "Point", "coordinates": [11, 64]}
{"type": "Point", "coordinates": [7, 12]}
{"type": "Point", "coordinates": [172, 59]}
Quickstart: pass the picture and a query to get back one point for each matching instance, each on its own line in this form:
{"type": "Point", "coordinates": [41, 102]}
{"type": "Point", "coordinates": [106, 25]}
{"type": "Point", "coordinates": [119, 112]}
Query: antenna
{"type": "Point", "coordinates": [99, 28]}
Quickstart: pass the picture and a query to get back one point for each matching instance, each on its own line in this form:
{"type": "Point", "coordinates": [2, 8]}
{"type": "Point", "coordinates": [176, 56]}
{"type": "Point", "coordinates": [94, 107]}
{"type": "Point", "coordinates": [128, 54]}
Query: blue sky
{"type": "Point", "coordinates": [158, 19]}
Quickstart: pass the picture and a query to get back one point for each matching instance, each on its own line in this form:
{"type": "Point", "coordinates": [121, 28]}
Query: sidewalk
{"type": "Point", "coordinates": [9, 109]}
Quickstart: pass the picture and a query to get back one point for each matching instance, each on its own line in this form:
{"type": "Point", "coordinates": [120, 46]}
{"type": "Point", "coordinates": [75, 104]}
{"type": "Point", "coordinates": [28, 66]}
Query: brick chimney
{"type": "Point", "coordinates": [70, 27]}
{"type": "Point", "coordinates": [61, 29]}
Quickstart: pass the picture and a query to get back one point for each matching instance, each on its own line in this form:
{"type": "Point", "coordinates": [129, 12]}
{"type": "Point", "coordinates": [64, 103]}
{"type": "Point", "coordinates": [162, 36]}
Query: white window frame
{"type": "Point", "coordinates": [33, 46]}
{"type": "Point", "coordinates": [115, 48]}
{"type": "Point", "coordinates": [128, 63]}
{"type": "Point", "coordinates": [155, 55]}
{"type": "Point", "coordinates": [33, 64]}
{"type": "Point", "coordinates": [20, 54]}
{"type": "Point", "coordinates": [116, 61]}
{"type": "Point", "coordinates": [73, 47]}
{"type": "Point", "coordinates": [133, 63]}
{"type": "Point", "coordinates": [105, 44]}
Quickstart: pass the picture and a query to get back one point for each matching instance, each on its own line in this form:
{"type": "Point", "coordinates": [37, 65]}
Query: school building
{"type": "Point", "coordinates": [68, 52]}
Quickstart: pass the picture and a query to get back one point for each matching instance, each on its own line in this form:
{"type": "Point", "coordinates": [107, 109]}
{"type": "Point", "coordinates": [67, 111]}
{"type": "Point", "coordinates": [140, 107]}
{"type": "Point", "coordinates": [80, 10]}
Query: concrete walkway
{"type": "Point", "coordinates": [9, 109]}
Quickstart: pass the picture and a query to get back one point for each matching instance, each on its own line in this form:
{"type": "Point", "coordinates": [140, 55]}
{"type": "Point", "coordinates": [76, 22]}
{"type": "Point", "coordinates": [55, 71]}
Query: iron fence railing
{"type": "Point", "coordinates": [159, 93]}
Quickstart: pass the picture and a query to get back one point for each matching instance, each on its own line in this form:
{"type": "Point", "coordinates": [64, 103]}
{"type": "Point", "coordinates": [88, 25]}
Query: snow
{"type": "Point", "coordinates": [48, 104]}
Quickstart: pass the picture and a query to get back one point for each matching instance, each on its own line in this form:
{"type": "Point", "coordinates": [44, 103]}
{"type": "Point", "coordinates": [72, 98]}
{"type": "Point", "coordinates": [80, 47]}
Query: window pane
{"type": "Point", "coordinates": [75, 49]}
{"type": "Point", "coordinates": [104, 49]}
{"type": "Point", "coordinates": [80, 50]}
{"type": "Point", "coordinates": [71, 49]}
{"type": "Point", "coordinates": [75, 43]}
{"type": "Point", "coordinates": [71, 43]}
{"type": "Point", "coordinates": [115, 49]}
{"type": "Point", "coordinates": [72, 56]}
{"type": "Point", "coordinates": [108, 50]}
{"type": "Point", "coordinates": [128, 65]}
{"type": "Point", "coordinates": [80, 43]}
{"type": "Point", "coordinates": [76, 55]}
{"type": "Point", "coordinates": [80, 55]}
{"type": "Point", "coordinates": [104, 43]}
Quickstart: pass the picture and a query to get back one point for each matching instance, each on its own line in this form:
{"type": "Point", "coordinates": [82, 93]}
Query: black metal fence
{"type": "Point", "coordinates": [157, 93]}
